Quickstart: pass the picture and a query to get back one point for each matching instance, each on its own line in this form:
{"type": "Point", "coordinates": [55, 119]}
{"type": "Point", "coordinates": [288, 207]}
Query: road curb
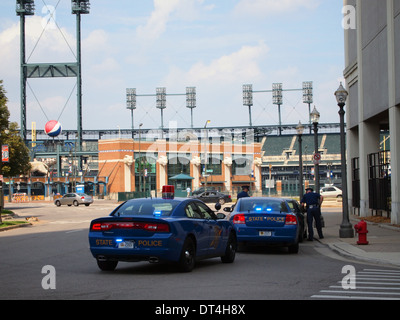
{"type": "Point", "coordinates": [21, 225]}
{"type": "Point", "coordinates": [349, 251]}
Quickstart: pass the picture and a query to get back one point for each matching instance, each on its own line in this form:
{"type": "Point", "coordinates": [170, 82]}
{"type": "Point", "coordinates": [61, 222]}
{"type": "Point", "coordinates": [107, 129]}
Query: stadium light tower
{"type": "Point", "coordinates": [79, 7]}
{"type": "Point", "coordinates": [248, 98]}
{"type": "Point", "coordinates": [308, 97]}
{"type": "Point", "coordinates": [161, 101]}
{"type": "Point", "coordinates": [191, 101]}
{"type": "Point", "coordinates": [131, 103]}
{"type": "Point", "coordinates": [277, 99]}
{"type": "Point", "coordinates": [24, 8]}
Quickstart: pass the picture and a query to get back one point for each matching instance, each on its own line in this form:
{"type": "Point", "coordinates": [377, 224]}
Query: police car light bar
{"type": "Point", "coordinates": [168, 192]}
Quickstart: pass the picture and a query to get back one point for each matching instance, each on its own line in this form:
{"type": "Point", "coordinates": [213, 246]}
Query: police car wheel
{"type": "Point", "coordinates": [230, 251]}
{"type": "Point", "coordinates": [188, 256]}
{"type": "Point", "coordinates": [107, 265]}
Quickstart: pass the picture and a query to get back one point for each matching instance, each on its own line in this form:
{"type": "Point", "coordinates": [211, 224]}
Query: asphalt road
{"type": "Point", "coordinates": [60, 240]}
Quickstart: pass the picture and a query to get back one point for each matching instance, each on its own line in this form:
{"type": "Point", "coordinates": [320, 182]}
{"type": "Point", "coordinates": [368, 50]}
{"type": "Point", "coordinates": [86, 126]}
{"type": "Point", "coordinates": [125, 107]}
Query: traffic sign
{"type": "Point", "coordinates": [316, 158]}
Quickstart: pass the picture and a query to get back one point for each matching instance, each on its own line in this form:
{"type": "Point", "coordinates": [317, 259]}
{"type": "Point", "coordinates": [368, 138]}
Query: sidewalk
{"type": "Point", "coordinates": [383, 238]}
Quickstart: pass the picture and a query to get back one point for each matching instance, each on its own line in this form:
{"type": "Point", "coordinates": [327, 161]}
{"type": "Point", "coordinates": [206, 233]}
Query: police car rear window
{"type": "Point", "coordinates": [266, 205]}
{"type": "Point", "coordinates": [147, 207]}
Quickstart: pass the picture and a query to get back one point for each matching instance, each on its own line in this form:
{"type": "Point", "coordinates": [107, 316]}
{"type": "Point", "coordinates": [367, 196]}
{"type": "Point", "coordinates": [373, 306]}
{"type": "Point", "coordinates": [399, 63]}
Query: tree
{"type": "Point", "coordinates": [18, 151]}
{"type": "Point", "coordinates": [9, 134]}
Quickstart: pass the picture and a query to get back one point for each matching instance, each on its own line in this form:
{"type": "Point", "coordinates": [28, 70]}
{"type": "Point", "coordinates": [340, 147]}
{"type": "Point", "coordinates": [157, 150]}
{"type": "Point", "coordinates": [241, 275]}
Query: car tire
{"type": "Point", "coordinates": [230, 251]}
{"type": "Point", "coordinates": [187, 260]}
{"type": "Point", "coordinates": [87, 204]}
{"type": "Point", "coordinates": [58, 203]}
{"type": "Point", "coordinates": [294, 248]}
{"type": "Point", "coordinates": [107, 265]}
{"type": "Point", "coordinates": [76, 203]}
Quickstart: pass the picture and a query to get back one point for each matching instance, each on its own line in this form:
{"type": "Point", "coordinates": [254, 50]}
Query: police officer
{"type": "Point", "coordinates": [244, 193]}
{"type": "Point", "coordinates": [313, 200]}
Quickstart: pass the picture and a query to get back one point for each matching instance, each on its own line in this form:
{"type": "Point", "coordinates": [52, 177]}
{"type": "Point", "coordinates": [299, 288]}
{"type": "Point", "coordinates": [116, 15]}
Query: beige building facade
{"type": "Point", "coordinates": [372, 73]}
{"type": "Point", "coordinates": [133, 165]}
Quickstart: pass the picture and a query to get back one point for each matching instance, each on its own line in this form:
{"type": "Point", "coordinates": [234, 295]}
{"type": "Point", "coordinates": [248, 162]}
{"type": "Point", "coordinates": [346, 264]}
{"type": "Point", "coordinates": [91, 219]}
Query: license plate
{"type": "Point", "coordinates": [265, 233]}
{"type": "Point", "coordinates": [126, 245]}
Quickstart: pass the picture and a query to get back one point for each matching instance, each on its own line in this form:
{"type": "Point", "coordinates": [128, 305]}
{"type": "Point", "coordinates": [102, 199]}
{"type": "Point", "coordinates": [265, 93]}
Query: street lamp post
{"type": "Point", "coordinates": [346, 229]}
{"type": "Point", "coordinates": [140, 158]}
{"type": "Point", "coordinates": [300, 130]}
{"type": "Point", "coordinates": [205, 154]}
{"type": "Point", "coordinates": [314, 115]}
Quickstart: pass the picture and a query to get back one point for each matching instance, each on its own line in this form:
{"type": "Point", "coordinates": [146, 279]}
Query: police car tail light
{"type": "Point", "coordinates": [168, 192]}
{"type": "Point", "coordinates": [239, 219]}
{"type": "Point", "coordinates": [105, 226]}
{"type": "Point", "coordinates": [291, 219]}
{"type": "Point", "coordinates": [156, 227]}
{"type": "Point", "coordinates": [153, 227]}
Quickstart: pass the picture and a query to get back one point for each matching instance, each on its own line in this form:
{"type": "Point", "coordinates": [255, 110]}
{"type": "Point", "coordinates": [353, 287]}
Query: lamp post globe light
{"type": "Point", "coordinates": [346, 229]}
{"type": "Point", "coordinates": [300, 130]}
{"type": "Point", "coordinates": [314, 116]}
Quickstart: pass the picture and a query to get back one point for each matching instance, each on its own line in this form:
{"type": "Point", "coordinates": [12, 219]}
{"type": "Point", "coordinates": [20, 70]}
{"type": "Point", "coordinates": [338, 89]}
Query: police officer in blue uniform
{"type": "Point", "coordinates": [313, 200]}
{"type": "Point", "coordinates": [244, 193]}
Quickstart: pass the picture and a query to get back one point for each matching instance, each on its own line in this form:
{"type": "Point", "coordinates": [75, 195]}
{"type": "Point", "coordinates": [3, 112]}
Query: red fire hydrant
{"type": "Point", "coordinates": [361, 229]}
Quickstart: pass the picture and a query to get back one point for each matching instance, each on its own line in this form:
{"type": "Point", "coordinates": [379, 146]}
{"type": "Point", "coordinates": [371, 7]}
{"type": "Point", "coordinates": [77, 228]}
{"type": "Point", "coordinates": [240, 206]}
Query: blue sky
{"type": "Point", "coordinates": [213, 45]}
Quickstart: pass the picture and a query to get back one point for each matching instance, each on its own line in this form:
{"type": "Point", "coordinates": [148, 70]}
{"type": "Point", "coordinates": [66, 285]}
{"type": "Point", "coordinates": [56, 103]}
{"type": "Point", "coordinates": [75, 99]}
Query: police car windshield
{"type": "Point", "coordinates": [147, 207]}
{"type": "Point", "coordinates": [264, 205]}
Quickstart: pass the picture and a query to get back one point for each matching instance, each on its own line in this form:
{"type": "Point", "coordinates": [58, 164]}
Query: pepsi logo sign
{"type": "Point", "coordinates": [52, 128]}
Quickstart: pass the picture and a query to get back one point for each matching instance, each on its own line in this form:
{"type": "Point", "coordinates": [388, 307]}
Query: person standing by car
{"type": "Point", "coordinates": [244, 193]}
{"type": "Point", "coordinates": [313, 200]}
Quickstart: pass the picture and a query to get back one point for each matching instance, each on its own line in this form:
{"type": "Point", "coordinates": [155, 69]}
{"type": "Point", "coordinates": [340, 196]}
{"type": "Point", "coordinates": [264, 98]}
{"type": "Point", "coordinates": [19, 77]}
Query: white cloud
{"type": "Point", "coordinates": [164, 11]}
{"type": "Point", "coordinates": [240, 65]}
{"type": "Point", "coordinates": [218, 84]}
{"type": "Point", "coordinates": [158, 20]}
{"type": "Point", "coordinates": [96, 40]}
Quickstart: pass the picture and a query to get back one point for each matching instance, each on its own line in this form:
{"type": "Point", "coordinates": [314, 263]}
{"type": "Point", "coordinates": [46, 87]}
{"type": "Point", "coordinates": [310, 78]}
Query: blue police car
{"type": "Point", "coordinates": [180, 230]}
{"type": "Point", "coordinates": [266, 221]}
